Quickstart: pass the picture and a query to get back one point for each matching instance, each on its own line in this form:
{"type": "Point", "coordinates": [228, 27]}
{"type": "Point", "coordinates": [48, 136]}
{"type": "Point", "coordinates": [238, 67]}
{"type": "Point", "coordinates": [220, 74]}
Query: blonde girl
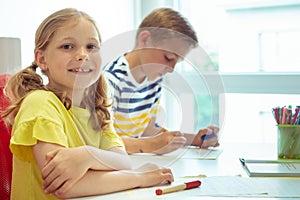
{"type": "Point", "coordinates": [63, 141]}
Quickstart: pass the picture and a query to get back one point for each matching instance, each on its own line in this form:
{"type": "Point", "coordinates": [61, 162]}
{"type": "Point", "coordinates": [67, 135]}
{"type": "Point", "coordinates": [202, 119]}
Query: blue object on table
{"type": "Point", "coordinates": [205, 137]}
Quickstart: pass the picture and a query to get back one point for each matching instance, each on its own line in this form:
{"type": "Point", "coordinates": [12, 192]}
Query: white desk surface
{"type": "Point", "coordinates": [187, 169]}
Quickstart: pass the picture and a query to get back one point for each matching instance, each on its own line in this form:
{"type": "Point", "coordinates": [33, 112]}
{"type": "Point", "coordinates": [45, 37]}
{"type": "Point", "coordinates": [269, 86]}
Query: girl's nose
{"type": "Point", "coordinates": [82, 54]}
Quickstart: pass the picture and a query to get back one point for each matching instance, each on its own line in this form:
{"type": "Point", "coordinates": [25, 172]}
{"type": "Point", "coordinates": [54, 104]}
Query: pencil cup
{"type": "Point", "coordinates": [288, 141]}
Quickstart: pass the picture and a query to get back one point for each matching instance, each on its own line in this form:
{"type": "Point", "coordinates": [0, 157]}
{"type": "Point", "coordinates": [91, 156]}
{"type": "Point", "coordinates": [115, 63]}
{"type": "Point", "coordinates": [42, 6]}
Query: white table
{"type": "Point", "coordinates": [227, 164]}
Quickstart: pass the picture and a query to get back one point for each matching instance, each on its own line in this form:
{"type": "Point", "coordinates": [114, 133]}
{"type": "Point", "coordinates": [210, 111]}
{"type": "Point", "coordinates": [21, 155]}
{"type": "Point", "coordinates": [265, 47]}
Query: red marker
{"type": "Point", "coordinates": [185, 186]}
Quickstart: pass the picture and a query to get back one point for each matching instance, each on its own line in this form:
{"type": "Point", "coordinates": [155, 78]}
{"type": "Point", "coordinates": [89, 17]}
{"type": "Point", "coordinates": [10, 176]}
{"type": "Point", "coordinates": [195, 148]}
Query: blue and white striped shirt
{"type": "Point", "coordinates": [134, 103]}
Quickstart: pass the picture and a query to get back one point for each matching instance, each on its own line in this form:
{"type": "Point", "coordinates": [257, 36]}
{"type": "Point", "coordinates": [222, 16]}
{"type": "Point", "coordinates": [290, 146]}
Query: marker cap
{"type": "Point", "coordinates": [192, 184]}
{"type": "Point", "coordinates": [158, 191]}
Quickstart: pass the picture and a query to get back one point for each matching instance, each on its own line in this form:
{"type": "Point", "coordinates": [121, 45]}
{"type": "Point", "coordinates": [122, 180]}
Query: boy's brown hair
{"type": "Point", "coordinates": [166, 23]}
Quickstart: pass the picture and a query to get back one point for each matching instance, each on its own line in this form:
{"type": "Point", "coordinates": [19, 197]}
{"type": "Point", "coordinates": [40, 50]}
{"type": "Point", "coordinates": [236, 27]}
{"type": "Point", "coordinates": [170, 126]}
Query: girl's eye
{"type": "Point", "coordinates": [92, 46]}
{"type": "Point", "coordinates": [66, 46]}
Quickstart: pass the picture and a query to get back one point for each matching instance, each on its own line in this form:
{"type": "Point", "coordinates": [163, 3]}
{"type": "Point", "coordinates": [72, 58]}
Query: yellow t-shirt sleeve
{"type": "Point", "coordinates": [110, 138]}
{"type": "Point", "coordinates": [37, 120]}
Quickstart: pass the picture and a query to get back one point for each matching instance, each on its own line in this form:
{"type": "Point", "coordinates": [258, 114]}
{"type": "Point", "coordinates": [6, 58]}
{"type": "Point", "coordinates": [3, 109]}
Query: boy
{"type": "Point", "coordinates": [163, 38]}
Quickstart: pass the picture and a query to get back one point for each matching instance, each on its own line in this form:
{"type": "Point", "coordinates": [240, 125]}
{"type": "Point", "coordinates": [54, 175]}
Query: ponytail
{"type": "Point", "coordinates": [27, 80]}
{"type": "Point", "coordinates": [98, 102]}
{"type": "Point", "coordinates": [22, 83]}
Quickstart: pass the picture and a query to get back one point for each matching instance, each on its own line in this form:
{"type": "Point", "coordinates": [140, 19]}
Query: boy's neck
{"type": "Point", "coordinates": [135, 66]}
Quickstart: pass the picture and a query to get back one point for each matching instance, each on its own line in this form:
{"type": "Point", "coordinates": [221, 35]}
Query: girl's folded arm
{"type": "Point", "coordinates": [63, 167]}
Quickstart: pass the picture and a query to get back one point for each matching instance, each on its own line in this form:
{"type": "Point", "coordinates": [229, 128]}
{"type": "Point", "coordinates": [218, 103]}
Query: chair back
{"type": "Point", "coordinates": [5, 154]}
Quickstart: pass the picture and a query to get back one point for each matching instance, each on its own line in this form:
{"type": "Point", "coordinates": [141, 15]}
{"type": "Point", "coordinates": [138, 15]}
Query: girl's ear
{"type": "Point", "coordinates": [144, 39]}
{"type": "Point", "coordinates": [40, 59]}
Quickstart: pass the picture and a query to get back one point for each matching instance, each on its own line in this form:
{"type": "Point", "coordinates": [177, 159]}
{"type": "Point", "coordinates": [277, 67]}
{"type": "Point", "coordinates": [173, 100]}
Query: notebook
{"type": "Point", "coordinates": [271, 168]}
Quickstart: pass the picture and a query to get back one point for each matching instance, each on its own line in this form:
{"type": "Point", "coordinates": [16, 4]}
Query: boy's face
{"type": "Point", "coordinates": [160, 59]}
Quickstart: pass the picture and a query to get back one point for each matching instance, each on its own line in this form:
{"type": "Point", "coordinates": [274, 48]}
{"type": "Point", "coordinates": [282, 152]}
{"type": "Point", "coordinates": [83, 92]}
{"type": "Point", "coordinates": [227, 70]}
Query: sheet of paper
{"type": "Point", "coordinates": [192, 153]}
{"type": "Point", "coordinates": [235, 186]}
{"type": "Point", "coordinates": [196, 153]}
{"type": "Point", "coordinates": [219, 186]}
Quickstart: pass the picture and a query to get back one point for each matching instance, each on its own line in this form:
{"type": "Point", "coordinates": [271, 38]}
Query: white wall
{"type": "Point", "coordinates": [21, 18]}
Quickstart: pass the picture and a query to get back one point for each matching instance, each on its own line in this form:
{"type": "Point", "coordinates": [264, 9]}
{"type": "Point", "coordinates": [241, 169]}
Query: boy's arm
{"type": "Point", "coordinates": [191, 138]}
{"type": "Point", "coordinates": [153, 128]}
{"type": "Point", "coordinates": [155, 139]}
{"type": "Point", "coordinates": [164, 142]}
{"type": "Point", "coordinates": [139, 145]}
{"type": "Point", "coordinates": [206, 137]}
{"type": "Point", "coordinates": [148, 143]}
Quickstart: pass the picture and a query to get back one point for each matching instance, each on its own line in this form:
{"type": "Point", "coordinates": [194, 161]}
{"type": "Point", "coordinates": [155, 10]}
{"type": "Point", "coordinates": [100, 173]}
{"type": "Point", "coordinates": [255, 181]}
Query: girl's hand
{"type": "Point", "coordinates": [153, 175]}
{"type": "Point", "coordinates": [63, 168]}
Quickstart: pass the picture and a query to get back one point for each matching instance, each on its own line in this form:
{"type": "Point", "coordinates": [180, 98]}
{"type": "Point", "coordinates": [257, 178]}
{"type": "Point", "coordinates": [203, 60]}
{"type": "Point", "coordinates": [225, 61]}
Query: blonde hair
{"type": "Point", "coordinates": [166, 23]}
{"type": "Point", "coordinates": [27, 80]}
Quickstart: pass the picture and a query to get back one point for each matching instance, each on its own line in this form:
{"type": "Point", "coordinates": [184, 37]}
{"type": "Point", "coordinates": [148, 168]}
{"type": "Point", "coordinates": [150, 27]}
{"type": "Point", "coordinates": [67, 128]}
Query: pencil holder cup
{"type": "Point", "coordinates": [288, 141]}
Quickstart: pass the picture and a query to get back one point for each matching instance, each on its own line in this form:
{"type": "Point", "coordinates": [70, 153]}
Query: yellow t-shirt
{"type": "Point", "coordinates": [43, 117]}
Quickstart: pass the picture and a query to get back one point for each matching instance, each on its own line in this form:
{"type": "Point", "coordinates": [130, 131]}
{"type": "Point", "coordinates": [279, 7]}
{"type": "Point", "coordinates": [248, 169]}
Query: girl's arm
{"type": "Point", "coordinates": [66, 166]}
{"type": "Point", "coordinates": [81, 180]}
{"type": "Point", "coordinates": [103, 182]}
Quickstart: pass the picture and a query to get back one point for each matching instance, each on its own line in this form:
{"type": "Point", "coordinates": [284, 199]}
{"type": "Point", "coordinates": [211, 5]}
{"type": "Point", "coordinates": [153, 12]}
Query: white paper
{"type": "Point", "coordinates": [196, 153]}
{"type": "Point", "coordinates": [235, 186]}
{"type": "Point", "coordinates": [218, 186]}
{"type": "Point", "coordinates": [191, 153]}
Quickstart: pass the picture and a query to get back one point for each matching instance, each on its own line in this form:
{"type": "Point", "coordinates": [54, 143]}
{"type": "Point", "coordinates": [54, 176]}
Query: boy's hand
{"type": "Point", "coordinates": [168, 141]}
{"type": "Point", "coordinates": [207, 137]}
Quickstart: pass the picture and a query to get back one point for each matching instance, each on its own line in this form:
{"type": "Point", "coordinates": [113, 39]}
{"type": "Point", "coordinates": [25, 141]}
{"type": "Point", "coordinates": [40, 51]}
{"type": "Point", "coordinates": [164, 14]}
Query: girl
{"type": "Point", "coordinates": [63, 141]}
